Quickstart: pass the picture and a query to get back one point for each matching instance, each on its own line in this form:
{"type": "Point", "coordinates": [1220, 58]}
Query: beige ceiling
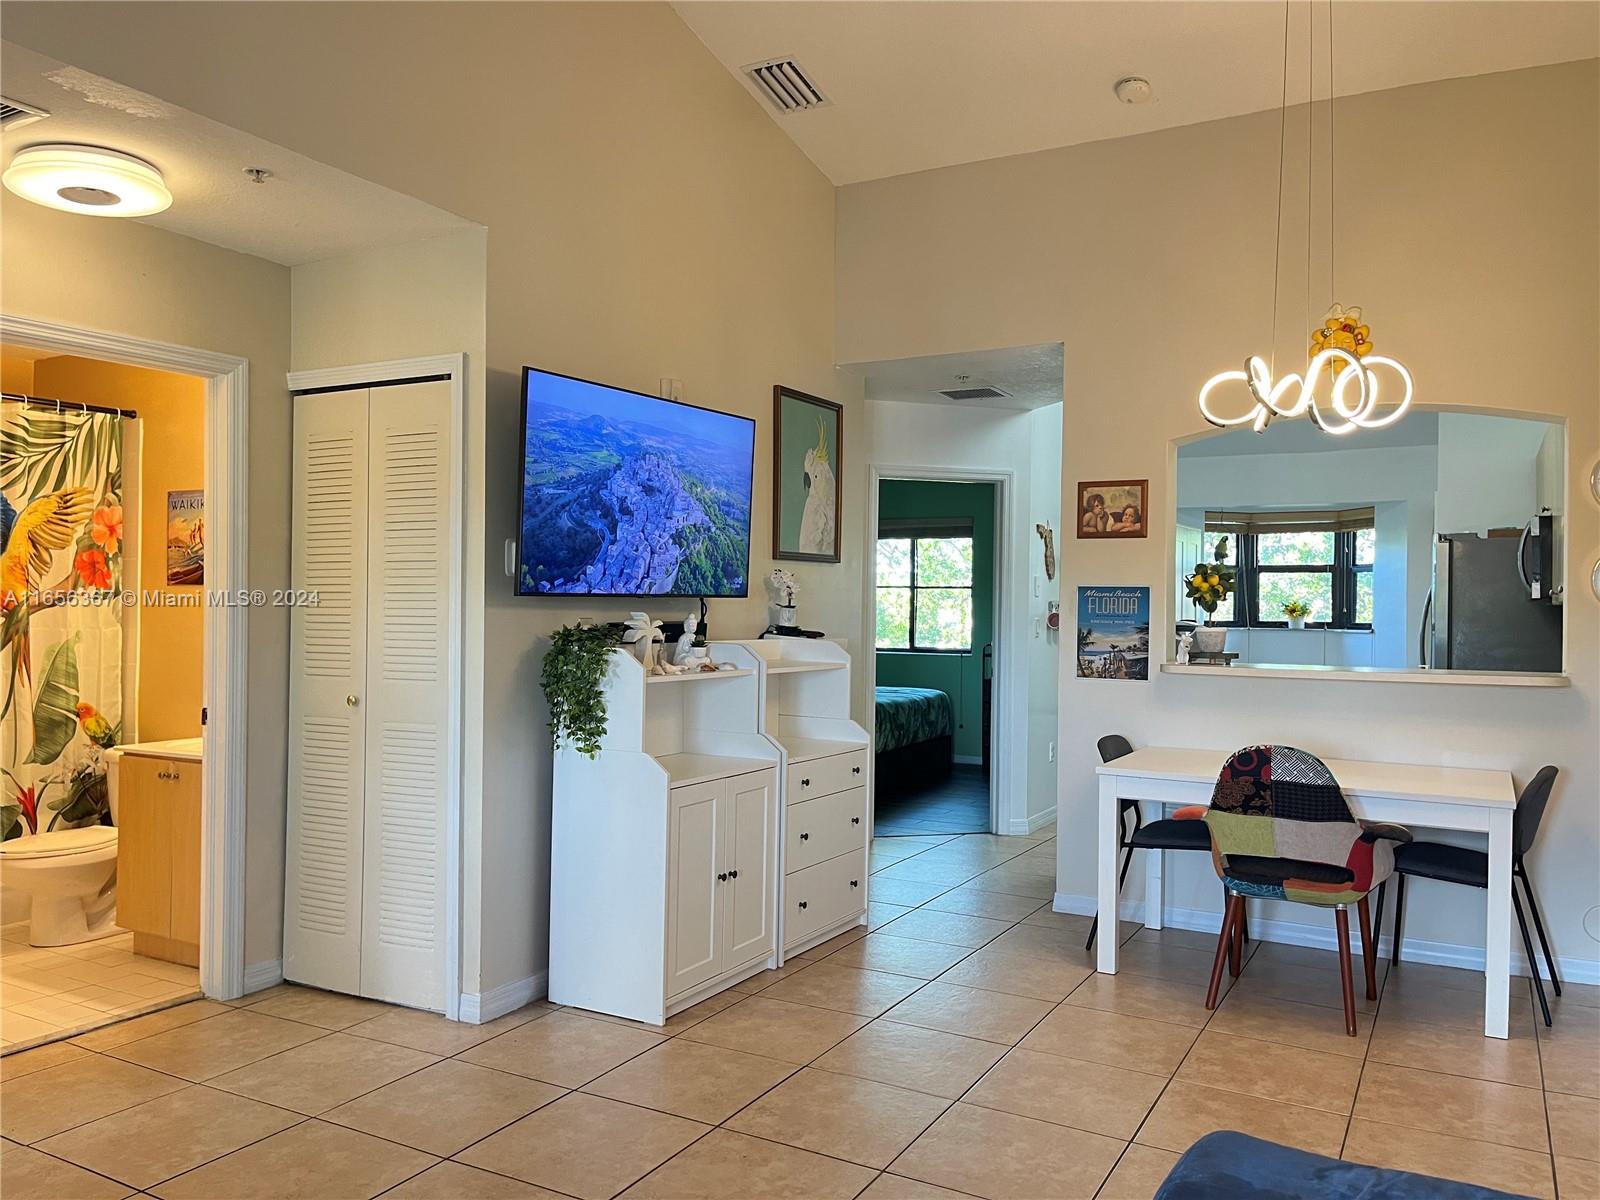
{"type": "Point", "coordinates": [305, 212]}
{"type": "Point", "coordinates": [1030, 375]}
{"type": "Point", "coordinates": [915, 85]}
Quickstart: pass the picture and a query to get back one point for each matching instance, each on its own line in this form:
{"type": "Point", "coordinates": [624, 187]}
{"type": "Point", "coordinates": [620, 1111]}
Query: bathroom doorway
{"type": "Point", "coordinates": [106, 898]}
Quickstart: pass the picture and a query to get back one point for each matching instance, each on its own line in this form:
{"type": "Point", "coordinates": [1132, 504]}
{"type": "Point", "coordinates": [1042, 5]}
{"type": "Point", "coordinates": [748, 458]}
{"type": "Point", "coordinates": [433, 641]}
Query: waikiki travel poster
{"type": "Point", "coordinates": [186, 538]}
{"type": "Point", "coordinates": [1114, 632]}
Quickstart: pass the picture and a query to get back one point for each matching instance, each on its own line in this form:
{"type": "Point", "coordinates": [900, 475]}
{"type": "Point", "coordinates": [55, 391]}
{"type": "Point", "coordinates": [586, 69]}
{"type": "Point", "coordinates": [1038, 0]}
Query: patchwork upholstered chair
{"type": "Point", "coordinates": [1280, 829]}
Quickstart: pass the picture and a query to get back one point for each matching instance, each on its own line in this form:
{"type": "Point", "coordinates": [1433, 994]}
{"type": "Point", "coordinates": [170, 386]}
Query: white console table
{"type": "Point", "coordinates": [1418, 797]}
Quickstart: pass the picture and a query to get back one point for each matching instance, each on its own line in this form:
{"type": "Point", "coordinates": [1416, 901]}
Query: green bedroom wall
{"type": "Point", "coordinates": [959, 676]}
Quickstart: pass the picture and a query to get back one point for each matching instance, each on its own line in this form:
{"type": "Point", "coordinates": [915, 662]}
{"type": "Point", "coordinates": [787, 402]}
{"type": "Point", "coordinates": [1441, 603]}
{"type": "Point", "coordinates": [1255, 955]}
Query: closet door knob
{"type": "Point", "coordinates": [351, 700]}
{"type": "Point", "coordinates": [855, 820]}
{"type": "Point", "coordinates": [855, 883]}
{"type": "Point", "coordinates": [802, 904]}
{"type": "Point", "coordinates": [722, 877]}
{"type": "Point", "coordinates": [733, 874]}
{"type": "Point", "coordinates": [805, 837]}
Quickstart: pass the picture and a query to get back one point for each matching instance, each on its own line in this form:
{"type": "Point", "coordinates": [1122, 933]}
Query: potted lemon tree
{"type": "Point", "coordinates": [1209, 585]}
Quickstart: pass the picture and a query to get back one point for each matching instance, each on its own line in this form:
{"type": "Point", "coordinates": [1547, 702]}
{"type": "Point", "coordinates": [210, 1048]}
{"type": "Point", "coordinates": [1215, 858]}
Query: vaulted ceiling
{"type": "Point", "coordinates": [914, 85]}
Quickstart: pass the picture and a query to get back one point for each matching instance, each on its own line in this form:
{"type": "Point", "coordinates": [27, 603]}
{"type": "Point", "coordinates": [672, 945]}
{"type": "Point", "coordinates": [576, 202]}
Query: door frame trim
{"type": "Point", "coordinates": [1008, 787]}
{"type": "Point", "coordinates": [223, 799]}
{"type": "Point", "coordinates": [390, 373]}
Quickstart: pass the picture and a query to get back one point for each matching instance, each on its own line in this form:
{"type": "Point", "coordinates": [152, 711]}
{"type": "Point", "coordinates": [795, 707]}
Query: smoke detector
{"type": "Point", "coordinates": [14, 113]}
{"type": "Point", "coordinates": [1134, 89]}
{"type": "Point", "coordinates": [785, 85]}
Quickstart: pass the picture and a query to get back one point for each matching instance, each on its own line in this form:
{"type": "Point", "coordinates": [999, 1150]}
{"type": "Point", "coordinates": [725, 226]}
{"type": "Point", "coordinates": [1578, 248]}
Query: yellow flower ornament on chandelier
{"type": "Point", "coordinates": [1344, 346]}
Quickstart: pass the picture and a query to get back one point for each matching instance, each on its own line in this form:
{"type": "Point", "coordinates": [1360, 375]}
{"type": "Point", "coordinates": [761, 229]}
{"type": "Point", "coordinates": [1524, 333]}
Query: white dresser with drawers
{"type": "Point", "coordinates": [826, 790]}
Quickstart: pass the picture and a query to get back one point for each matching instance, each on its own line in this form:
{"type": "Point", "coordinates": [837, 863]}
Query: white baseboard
{"type": "Point", "coordinates": [1023, 826]}
{"type": "Point", "coordinates": [263, 975]}
{"type": "Point", "coordinates": [478, 1008]}
{"type": "Point", "coordinates": [1322, 937]}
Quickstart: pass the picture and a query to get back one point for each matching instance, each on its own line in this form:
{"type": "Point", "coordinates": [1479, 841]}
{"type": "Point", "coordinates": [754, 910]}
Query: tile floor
{"type": "Point", "coordinates": [46, 994]}
{"type": "Point", "coordinates": [962, 1048]}
{"type": "Point", "coordinates": [958, 805]}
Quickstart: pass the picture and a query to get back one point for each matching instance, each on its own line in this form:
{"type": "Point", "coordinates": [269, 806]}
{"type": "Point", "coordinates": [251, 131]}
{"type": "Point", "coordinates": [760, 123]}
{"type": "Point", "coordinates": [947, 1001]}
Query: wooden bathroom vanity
{"type": "Point", "coordinates": [158, 850]}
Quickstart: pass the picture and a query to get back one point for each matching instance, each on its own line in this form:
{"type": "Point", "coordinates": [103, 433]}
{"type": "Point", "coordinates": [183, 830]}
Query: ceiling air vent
{"type": "Point", "coordinates": [982, 392]}
{"type": "Point", "coordinates": [789, 88]}
{"type": "Point", "coordinates": [14, 113]}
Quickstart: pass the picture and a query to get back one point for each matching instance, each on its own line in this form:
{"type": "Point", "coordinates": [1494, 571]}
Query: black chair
{"type": "Point", "coordinates": [1158, 835]}
{"type": "Point", "coordinates": [1457, 864]}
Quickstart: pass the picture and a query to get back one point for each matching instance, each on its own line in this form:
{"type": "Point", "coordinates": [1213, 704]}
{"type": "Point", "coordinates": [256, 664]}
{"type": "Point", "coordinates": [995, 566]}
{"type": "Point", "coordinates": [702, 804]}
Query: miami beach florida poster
{"type": "Point", "coordinates": [1114, 632]}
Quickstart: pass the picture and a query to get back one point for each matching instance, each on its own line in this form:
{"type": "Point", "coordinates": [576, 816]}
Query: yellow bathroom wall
{"type": "Point", "coordinates": [16, 373]}
{"type": "Point", "coordinates": [171, 412]}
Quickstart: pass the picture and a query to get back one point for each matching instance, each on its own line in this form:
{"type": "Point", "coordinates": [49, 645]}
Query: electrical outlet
{"type": "Point", "coordinates": [1052, 752]}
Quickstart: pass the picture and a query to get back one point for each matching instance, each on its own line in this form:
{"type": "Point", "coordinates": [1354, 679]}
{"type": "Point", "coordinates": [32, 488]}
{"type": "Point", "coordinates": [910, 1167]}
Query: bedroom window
{"type": "Point", "coordinates": [925, 593]}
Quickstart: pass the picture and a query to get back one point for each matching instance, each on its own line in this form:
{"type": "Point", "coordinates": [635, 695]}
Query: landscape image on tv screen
{"type": "Point", "coordinates": [625, 494]}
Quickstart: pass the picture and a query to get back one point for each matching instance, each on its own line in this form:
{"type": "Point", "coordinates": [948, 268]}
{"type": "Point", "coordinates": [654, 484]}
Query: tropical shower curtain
{"type": "Point", "coordinates": [61, 614]}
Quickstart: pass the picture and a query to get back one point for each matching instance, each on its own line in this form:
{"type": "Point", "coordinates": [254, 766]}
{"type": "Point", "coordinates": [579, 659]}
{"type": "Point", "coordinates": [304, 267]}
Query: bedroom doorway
{"type": "Point", "coordinates": [935, 600]}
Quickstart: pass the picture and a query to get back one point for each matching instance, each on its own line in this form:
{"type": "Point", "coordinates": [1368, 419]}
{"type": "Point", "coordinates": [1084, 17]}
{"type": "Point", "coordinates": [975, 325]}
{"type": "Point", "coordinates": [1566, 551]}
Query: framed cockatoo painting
{"type": "Point", "coordinates": [807, 470]}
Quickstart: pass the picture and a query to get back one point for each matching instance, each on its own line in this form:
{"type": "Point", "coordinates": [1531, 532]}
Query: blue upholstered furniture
{"type": "Point", "coordinates": [1234, 1166]}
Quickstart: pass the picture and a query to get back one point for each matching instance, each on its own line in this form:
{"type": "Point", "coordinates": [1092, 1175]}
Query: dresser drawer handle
{"type": "Point", "coordinates": [855, 883]}
{"type": "Point", "coordinates": [722, 877]}
{"type": "Point", "coordinates": [733, 874]}
{"type": "Point", "coordinates": [855, 770]}
{"type": "Point", "coordinates": [855, 820]}
{"type": "Point", "coordinates": [805, 783]}
{"type": "Point", "coordinates": [802, 904]}
{"type": "Point", "coordinates": [805, 837]}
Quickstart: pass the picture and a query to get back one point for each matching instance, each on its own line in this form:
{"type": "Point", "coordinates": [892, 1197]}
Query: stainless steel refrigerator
{"type": "Point", "coordinates": [1490, 608]}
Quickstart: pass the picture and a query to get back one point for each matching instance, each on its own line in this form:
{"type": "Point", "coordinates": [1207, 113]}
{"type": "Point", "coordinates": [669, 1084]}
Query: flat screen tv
{"type": "Point", "coordinates": [625, 494]}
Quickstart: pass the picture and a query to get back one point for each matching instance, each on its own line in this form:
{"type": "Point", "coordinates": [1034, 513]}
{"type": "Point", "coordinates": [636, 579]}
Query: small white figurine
{"type": "Point", "coordinates": [1185, 640]}
{"type": "Point", "coordinates": [642, 635]}
{"type": "Point", "coordinates": [687, 655]}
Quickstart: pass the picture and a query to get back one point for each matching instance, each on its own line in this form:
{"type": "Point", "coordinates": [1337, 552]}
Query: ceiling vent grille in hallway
{"type": "Point", "coordinates": [14, 113]}
{"type": "Point", "coordinates": [782, 82]}
{"type": "Point", "coordinates": [982, 392]}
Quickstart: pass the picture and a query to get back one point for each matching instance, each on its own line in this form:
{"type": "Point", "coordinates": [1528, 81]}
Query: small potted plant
{"type": "Point", "coordinates": [1297, 614]}
{"type": "Point", "coordinates": [1209, 585]}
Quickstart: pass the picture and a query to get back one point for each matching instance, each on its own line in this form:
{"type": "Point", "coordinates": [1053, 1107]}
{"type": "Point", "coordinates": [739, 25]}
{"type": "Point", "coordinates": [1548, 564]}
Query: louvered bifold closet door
{"type": "Point", "coordinates": [408, 693]}
{"type": "Point", "coordinates": [327, 680]}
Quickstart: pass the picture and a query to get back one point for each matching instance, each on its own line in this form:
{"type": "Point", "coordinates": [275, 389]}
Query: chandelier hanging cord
{"type": "Point", "coordinates": [1277, 239]}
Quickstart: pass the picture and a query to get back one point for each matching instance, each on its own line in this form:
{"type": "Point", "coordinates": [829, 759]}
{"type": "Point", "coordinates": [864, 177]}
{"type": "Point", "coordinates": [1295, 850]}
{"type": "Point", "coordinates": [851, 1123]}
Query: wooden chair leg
{"type": "Point", "coordinates": [1224, 940]}
{"type": "Point", "coordinates": [1341, 920]}
{"type": "Point", "coordinates": [1367, 959]}
{"type": "Point", "coordinates": [1236, 942]}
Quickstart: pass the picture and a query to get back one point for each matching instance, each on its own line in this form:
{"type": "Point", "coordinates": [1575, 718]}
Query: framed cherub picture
{"type": "Point", "coordinates": [1113, 508]}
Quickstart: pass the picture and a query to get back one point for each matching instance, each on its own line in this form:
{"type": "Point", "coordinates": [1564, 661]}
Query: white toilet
{"type": "Point", "coordinates": [70, 877]}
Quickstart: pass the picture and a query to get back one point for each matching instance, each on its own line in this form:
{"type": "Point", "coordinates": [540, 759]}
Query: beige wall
{"type": "Point", "coordinates": [144, 282]}
{"type": "Point", "coordinates": [172, 411]}
{"type": "Point", "coordinates": [646, 219]}
{"type": "Point", "coordinates": [1466, 227]}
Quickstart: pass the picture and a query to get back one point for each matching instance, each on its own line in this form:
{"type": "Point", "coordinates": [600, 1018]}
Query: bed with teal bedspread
{"type": "Point", "coordinates": [908, 715]}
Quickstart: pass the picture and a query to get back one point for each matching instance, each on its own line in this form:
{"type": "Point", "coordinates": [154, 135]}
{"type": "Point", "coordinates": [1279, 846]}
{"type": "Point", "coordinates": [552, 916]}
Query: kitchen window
{"type": "Point", "coordinates": [1323, 560]}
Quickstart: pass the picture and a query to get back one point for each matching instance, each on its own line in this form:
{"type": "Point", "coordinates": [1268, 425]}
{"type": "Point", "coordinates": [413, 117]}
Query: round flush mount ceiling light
{"type": "Point", "coordinates": [1135, 89]}
{"type": "Point", "coordinates": [88, 179]}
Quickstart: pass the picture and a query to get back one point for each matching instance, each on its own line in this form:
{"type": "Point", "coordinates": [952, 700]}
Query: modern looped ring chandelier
{"type": "Point", "coordinates": [1342, 343]}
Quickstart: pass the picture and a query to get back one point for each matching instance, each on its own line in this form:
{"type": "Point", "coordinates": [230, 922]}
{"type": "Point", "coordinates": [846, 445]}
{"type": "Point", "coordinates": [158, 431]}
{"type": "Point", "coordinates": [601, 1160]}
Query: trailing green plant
{"type": "Point", "coordinates": [573, 678]}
